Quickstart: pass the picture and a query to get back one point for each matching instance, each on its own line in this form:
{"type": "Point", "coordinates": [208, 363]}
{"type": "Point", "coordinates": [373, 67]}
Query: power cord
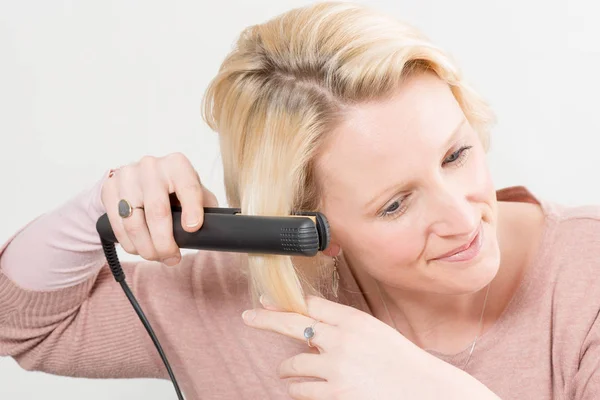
{"type": "Point", "coordinates": [115, 267]}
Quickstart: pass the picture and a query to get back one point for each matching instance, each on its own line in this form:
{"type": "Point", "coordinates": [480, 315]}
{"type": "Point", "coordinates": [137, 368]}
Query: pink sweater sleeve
{"type": "Point", "coordinates": [63, 313]}
{"type": "Point", "coordinates": [67, 246]}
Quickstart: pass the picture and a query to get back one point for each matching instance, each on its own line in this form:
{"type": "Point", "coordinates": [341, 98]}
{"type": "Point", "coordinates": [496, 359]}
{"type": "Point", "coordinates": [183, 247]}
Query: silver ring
{"type": "Point", "coordinates": [125, 209]}
{"type": "Point", "coordinates": [309, 333]}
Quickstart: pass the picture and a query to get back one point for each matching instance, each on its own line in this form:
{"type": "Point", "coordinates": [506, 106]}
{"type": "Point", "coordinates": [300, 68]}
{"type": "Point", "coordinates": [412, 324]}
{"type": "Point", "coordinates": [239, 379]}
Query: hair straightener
{"type": "Point", "coordinates": [226, 229]}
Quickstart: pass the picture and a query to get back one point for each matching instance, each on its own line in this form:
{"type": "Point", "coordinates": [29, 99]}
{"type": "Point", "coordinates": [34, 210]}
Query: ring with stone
{"type": "Point", "coordinates": [125, 209]}
{"type": "Point", "coordinates": [309, 333]}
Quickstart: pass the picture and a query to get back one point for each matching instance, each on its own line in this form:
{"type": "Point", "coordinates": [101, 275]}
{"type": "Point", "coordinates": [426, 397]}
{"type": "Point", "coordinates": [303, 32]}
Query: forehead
{"type": "Point", "coordinates": [390, 139]}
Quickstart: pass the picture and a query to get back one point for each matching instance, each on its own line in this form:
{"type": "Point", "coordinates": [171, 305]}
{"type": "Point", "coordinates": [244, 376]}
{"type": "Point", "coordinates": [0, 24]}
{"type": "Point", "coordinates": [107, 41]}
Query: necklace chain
{"type": "Point", "coordinates": [472, 345]}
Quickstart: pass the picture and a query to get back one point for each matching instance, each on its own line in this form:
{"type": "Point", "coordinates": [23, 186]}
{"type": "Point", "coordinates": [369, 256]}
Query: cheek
{"type": "Point", "coordinates": [480, 176]}
{"type": "Point", "coordinates": [478, 180]}
{"type": "Point", "coordinates": [386, 246]}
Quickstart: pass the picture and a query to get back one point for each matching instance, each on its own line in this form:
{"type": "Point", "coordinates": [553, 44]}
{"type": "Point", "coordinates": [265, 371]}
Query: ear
{"type": "Point", "coordinates": [332, 250]}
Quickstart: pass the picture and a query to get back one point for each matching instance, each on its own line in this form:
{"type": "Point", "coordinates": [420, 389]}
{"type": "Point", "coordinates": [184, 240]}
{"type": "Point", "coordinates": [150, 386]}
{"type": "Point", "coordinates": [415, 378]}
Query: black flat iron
{"type": "Point", "coordinates": [226, 229]}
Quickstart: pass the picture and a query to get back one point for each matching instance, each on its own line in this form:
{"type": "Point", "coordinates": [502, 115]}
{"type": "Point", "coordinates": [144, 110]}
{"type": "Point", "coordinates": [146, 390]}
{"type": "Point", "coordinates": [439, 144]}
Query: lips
{"type": "Point", "coordinates": [464, 247]}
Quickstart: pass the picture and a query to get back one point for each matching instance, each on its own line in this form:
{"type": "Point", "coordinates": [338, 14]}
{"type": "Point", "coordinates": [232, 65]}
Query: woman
{"type": "Point", "coordinates": [434, 285]}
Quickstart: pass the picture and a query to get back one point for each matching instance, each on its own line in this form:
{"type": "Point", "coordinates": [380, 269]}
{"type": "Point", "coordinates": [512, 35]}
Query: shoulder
{"type": "Point", "coordinates": [574, 234]}
{"type": "Point", "coordinates": [569, 276]}
{"type": "Point", "coordinates": [570, 262]}
{"type": "Point", "coordinates": [569, 252]}
{"type": "Point", "coordinates": [570, 233]}
{"type": "Point", "coordinates": [568, 268]}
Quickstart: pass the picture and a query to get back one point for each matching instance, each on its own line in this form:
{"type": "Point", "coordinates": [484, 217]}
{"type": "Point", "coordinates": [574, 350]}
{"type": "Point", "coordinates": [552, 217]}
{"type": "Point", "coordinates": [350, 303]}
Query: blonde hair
{"type": "Point", "coordinates": [286, 83]}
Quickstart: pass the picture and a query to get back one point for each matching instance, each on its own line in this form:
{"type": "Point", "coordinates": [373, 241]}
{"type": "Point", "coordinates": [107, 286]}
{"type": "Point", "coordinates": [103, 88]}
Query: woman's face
{"type": "Point", "coordinates": [406, 186]}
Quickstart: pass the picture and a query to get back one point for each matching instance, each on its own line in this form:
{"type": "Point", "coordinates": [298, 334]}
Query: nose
{"type": "Point", "coordinates": [451, 214]}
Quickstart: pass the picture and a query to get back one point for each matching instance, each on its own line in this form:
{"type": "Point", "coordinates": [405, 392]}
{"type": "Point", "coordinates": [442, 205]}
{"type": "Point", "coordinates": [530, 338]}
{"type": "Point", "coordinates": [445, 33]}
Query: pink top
{"type": "Point", "coordinates": [62, 312]}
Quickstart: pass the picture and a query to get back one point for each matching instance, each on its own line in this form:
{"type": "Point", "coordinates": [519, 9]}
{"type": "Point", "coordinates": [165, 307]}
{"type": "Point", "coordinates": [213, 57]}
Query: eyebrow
{"type": "Point", "coordinates": [399, 187]}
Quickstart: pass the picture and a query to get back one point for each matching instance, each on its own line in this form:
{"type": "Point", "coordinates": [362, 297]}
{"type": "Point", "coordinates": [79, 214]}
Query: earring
{"type": "Point", "coordinates": [335, 278]}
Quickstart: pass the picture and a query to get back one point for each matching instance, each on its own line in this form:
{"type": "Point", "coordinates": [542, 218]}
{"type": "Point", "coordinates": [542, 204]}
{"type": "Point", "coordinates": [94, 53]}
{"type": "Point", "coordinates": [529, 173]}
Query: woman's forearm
{"type": "Point", "coordinates": [60, 248]}
{"type": "Point", "coordinates": [463, 386]}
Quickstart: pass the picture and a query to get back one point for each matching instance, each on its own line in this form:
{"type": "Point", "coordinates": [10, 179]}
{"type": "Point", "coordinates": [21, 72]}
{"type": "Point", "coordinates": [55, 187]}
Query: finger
{"type": "Point", "coordinates": [157, 207]}
{"type": "Point", "coordinates": [186, 184]}
{"type": "Point", "coordinates": [110, 199]}
{"type": "Point", "coordinates": [330, 312]}
{"type": "Point", "coordinates": [292, 325]}
{"type": "Point", "coordinates": [209, 198]}
{"type": "Point", "coordinates": [135, 225]}
{"type": "Point", "coordinates": [310, 391]}
{"type": "Point", "coordinates": [267, 304]}
{"type": "Point", "coordinates": [307, 365]}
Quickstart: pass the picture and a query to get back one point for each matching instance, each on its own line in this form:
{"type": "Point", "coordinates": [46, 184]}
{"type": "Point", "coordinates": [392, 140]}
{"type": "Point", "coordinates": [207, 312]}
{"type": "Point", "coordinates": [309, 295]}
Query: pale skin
{"type": "Point", "coordinates": [416, 159]}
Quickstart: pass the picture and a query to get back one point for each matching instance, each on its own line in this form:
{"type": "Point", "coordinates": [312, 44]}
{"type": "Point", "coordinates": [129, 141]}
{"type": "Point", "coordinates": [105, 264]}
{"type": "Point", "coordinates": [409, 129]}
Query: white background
{"type": "Point", "coordinates": [88, 85]}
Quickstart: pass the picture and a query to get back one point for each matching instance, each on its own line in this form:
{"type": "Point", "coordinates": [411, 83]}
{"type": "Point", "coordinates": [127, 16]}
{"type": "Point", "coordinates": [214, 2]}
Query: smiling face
{"type": "Point", "coordinates": [406, 187]}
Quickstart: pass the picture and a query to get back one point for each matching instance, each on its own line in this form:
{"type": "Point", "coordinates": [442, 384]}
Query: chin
{"type": "Point", "coordinates": [484, 273]}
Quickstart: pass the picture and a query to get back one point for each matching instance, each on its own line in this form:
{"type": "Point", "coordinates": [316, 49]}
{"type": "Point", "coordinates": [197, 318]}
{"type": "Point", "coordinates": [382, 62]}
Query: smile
{"type": "Point", "coordinates": [466, 252]}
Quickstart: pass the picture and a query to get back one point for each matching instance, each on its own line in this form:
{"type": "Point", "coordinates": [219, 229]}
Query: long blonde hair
{"type": "Point", "coordinates": [286, 83]}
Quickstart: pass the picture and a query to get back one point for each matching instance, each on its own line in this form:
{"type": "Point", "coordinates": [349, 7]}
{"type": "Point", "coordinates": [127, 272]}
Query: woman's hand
{"type": "Point", "coordinates": [360, 358]}
{"type": "Point", "coordinates": [155, 184]}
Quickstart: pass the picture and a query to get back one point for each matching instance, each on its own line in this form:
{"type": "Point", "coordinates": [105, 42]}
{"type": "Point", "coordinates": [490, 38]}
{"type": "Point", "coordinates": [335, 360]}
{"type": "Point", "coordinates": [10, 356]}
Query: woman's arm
{"type": "Point", "coordinates": [60, 310]}
{"type": "Point", "coordinates": [461, 386]}
{"type": "Point", "coordinates": [58, 249]}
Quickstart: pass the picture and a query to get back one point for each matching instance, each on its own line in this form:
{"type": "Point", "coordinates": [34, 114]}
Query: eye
{"type": "Point", "coordinates": [395, 205]}
{"type": "Point", "coordinates": [458, 157]}
{"type": "Point", "coordinates": [395, 208]}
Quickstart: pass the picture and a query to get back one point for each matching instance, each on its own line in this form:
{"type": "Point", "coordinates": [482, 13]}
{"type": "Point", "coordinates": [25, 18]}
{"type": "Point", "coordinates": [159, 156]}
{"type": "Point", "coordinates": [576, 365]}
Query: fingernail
{"type": "Point", "coordinates": [192, 221]}
{"type": "Point", "coordinates": [171, 261]}
{"type": "Point", "coordinates": [265, 302]}
{"type": "Point", "coordinates": [249, 315]}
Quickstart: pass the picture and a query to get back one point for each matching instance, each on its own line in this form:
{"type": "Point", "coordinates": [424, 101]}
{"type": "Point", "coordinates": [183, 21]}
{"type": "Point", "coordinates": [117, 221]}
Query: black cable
{"type": "Point", "coordinates": [115, 266]}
